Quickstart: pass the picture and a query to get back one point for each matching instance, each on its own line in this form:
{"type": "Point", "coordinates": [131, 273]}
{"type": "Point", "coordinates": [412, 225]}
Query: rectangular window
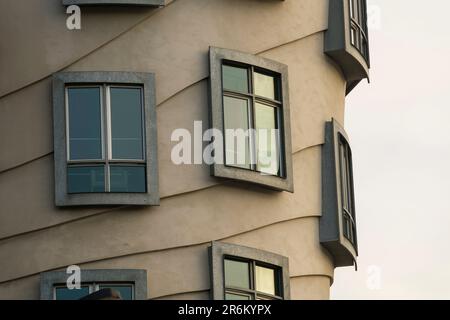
{"type": "Point", "coordinates": [250, 280]}
{"type": "Point", "coordinates": [358, 26]}
{"type": "Point", "coordinates": [61, 292]}
{"type": "Point", "coordinates": [105, 139]}
{"type": "Point", "coordinates": [253, 109]}
{"type": "Point", "coordinates": [348, 214]}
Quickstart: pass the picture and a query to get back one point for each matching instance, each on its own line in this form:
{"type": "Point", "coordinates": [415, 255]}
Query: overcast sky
{"type": "Point", "coordinates": [399, 133]}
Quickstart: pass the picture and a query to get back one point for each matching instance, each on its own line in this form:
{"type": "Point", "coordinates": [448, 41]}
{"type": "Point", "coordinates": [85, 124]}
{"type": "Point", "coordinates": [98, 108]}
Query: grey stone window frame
{"type": "Point", "coordinates": [136, 277]}
{"type": "Point", "coordinates": [352, 60]}
{"type": "Point", "coordinates": [217, 56]}
{"type": "Point", "coordinates": [149, 3]}
{"type": "Point", "coordinates": [332, 230]}
{"type": "Point", "coordinates": [145, 80]}
{"type": "Point", "coordinates": [219, 251]}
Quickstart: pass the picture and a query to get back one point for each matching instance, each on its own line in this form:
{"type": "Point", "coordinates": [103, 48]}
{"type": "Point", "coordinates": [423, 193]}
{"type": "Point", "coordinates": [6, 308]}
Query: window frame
{"type": "Point", "coordinates": [95, 286]}
{"type": "Point", "coordinates": [220, 251]}
{"type": "Point", "coordinates": [219, 57]}
{"type": "Point", "coordinates": [252, 291]}
{"type": "Point", "coordinates": [93, 278]}
{"type": "Point", "coordinates": [142, 3]}
{"type": "Point", "coordinates": [359, 24]}
{"type": "Point", "coordinates": [332, 233]}
{"type": "Point", "coordinates": [254, 99]}
{"type": "Point", "coordinates": [105, 81]}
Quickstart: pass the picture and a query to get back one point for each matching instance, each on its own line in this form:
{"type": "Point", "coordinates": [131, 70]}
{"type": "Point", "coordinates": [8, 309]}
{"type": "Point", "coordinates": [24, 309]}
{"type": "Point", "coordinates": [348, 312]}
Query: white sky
{"type": "Point", "coordinates": [399, 132]}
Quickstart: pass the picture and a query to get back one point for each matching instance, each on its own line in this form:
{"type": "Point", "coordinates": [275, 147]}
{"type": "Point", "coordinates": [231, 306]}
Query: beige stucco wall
{"type": "Point", "coordinates": [169, 241]}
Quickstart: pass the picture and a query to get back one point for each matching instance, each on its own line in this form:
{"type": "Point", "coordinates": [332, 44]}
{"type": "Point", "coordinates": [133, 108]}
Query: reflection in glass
{"type": "Point", "coordinates": [266, 139]}
{"type": "Point", "coordinates": [237, 274]}
{"type": "Point", "coordinates": [126, 123]}
{"type": "Point", "coordinates": [126, 291]}
{"type": "Point", "coordinates": [85, 179]}
{"type": "Point", "coordinates": [264, 85]}
{"type": "Point", "coordinates": [235, 79]}
{"type": "Point", "coordinates": [85, 135]}
{"type": "Point", "coordinates": [237, 150]}
{"type": "Point", "coordinates": [232, 296]}
{"type": "Point", "coordinates": [127, 178]}
{"type": "Point", "coordinates": [265, 280]}
{"type": "Point", "coordinates": [64, 293]}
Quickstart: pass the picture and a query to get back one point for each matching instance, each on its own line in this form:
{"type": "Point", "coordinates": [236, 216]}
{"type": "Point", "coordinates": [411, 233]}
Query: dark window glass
{"type": "Point", "coordinates": [237, 150]}
{"type": "Point", "coordinates": [75, 294]}
{"type": "Point", "coordinates": [237, 274]}
{"type": "Point", "coordinates": [345, 167]}
{"type": "Point", "coordinates": [358, 26]}
{"type": "Point", "coordinates": [126, 291]}
{"type": "Point", "coordinates": [127, 178]}
{"type": "Point", "coordinates": [232, 296]}
{"type": "Point", "coordinates": [123, 168]}
{"type": "Point", "coordinates": [86, 179]}
{"type": "Point", "coordinates": [126, 123]}
{"type": "Point", "coordinates": [85, 129]}
{"type": "Point", "coordinates": [235, 78]}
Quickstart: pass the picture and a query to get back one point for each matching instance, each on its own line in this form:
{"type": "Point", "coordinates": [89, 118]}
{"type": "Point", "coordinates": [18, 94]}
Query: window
{"type": "Point", "coordinates": [250, 280]}
{"type": "Point", "coordinates": [105, 138]}
{"type": "Point", "coordinates": [151, 3]}
{"type": "Point", "coordinates": [251, 100]}
{"type": "Point", "coordinates": [346, 40]}
{"type": "Point", "coordinates": [348, 212]}
{"type": "Point", "coordinates": [250, 106]}
{"type": "Point", "coordinates": [130, 284]}
{"type": "Point", "coordinates": [338, 220]}
{"type": "Point", "coordinates": [61, 292]}
{"type": "Point", "coordinates": [358, 26]}
{"type": "Point", "coordinates": [243, 273]}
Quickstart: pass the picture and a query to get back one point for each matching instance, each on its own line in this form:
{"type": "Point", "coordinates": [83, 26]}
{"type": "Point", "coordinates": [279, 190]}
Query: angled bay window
{"type": "Point", "coordinates": [105, 138]}
{"type": "Point", "coordinates": [338, 221]}
{"type": "Point", "coordinates": [347, 40]}
{"type": "Point", "coordinates": [243, 273]}
{"type": "Point", "coordinates": [358, 26]}
{"type": "Point", "coordinates": [250, 106]}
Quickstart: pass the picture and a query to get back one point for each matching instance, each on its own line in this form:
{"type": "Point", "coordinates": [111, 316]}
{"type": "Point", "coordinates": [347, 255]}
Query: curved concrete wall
{"type": "Point", "coordinates": [169, 241]}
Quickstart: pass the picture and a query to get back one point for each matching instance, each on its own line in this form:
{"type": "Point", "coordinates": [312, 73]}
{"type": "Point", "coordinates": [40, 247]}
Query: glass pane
{"type": "Point", "coordinates": [235, 78]}
{"type": "Point", "coordinates": [128, 179]}
{"type": "Point", "coordinates": [264, 85]}
{"type": "Point", "coordinates": [237, 274]}
{"type": "Point", "coordinates": [85, 130]}
{"type": "Point", "coordinates": [75, 294]}
{"type": "Point", "coordinates": [233, 296]}
{"type": "Point", "coordinates": [85, 179]}
{"type": "Point", "coordinates": [126, 123]}
{"type": "Point", "coordinates": [126, 292]}
{"type": "Point", "coordinates": [265, 280]}
{"type": "Point", "coordinates": [266, 139]}
{"type": "Point", "coordinates": [237, 143]}
{"type": "Point", "coordinates": [344, 175]}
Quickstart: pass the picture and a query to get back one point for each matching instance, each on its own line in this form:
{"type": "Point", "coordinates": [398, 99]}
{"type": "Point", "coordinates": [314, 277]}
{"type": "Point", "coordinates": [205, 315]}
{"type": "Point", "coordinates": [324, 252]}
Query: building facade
{"type": "Point", "coordinates": [92, 125]}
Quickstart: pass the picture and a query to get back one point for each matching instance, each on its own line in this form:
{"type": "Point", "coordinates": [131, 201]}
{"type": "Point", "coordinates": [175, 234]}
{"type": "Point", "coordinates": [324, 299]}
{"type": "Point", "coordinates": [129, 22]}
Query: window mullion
{"type": "Point", "coordinates": [252, 124]}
